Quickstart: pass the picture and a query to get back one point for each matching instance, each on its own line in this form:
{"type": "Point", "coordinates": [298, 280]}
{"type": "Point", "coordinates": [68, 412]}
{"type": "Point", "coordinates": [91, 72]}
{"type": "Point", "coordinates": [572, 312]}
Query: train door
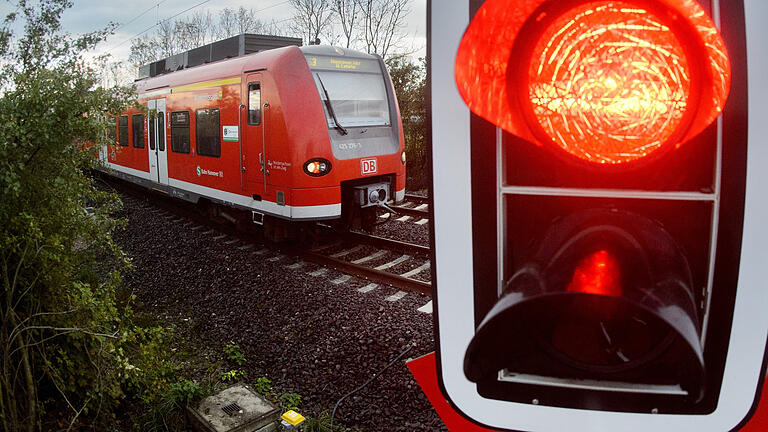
{"type": "Point", "coordinates": [158, 161]}
{"type": "Point", "coordinates": [253, 149]}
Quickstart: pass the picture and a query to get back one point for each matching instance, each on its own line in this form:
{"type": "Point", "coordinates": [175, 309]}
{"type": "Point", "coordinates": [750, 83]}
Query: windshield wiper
{"type": "Point", "coordinates": [341, 128]}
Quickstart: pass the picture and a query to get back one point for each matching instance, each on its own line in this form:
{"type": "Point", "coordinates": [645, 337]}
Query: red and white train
{"type": "Point", "coordinates": [287, 134]}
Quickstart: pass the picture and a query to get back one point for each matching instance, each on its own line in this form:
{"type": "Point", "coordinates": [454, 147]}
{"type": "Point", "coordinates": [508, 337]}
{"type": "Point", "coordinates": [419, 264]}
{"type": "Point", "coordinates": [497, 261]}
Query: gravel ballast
{"type": "Point", "coordinates": [305, 333]}
{"type": "Point", "coordinates": [407, 231]}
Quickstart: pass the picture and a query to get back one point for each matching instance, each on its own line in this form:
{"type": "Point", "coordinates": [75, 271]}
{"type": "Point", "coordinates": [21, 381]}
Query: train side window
{"type": "Point", "coordinates": [180, 131]}
{"type": "Point", "coordinates": [208, 132]}
{"type": "Point", "coordinates": [161, 131]}
{"type": "Point", "coordinates": [123, 130]}
{"type": "Point", "coordinates": [254, 104]}
{"type": "Point", "coordinates": [151, 129]}
{"type": "Point", "coordinates": [137, 123]}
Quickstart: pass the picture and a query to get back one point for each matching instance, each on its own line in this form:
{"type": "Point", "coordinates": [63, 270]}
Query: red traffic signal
{"type": "Point", "coordinates": [604, 154]}
{"type": "Point", "coordinates": [607, 82]}
{"type": "Point", "coordinates": [598, 295]}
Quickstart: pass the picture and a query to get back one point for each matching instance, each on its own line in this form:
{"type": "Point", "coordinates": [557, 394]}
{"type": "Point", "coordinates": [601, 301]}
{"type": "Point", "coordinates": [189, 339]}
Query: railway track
{"type": "Point", "coordinates": [401, 265]}
{"type": "Point", "coordinates": [374, 258]}
{"type": "Point", "coordinates": [418, 199]}
{"type": "Point", "coordinates": [415, 207]}
{"type": "Point", "coordinates": [414, 212]}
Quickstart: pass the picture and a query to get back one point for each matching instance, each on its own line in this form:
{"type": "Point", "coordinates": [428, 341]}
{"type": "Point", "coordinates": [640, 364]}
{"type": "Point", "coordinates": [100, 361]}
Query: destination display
{"type": "Point", "coordinates": [316, 62]}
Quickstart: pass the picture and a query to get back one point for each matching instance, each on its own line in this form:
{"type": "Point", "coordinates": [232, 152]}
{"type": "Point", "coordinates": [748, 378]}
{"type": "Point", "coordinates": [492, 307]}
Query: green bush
{"type": "Point", "coordinates": [69, 344]}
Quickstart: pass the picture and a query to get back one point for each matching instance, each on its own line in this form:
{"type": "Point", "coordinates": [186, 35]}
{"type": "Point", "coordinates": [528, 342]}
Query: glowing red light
{"type": "Point", "coordinates": [609, 82]}
{"type": "Point", "coordinates": [598, 273]}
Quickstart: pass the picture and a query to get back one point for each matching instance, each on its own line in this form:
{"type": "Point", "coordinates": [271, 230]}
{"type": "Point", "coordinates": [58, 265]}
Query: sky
{"type": "Point", "coordinates": [137, 16]}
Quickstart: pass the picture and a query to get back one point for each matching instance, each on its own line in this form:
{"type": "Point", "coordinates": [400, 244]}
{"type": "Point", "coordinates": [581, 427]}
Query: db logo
{"type": "Point", "coordinates": [368, 166]}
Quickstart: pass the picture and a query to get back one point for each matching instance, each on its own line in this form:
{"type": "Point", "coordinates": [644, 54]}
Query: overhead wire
{"type": "Point", "coordinates": [141, 14]}
{"type": "Point", "coordinates": [182, 12]}
{"type": "Point", "coordinates": [158, 23]}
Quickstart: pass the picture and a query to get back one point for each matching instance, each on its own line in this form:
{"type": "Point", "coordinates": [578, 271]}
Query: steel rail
{"type": "Point", "coordinates": [411, 211]}
{"type": "Point", "coordinates": [396, 245]}
{"type": "Point", "coordinates": [368, 273]}
{"type": "Point", "coordinates": [418, 199]}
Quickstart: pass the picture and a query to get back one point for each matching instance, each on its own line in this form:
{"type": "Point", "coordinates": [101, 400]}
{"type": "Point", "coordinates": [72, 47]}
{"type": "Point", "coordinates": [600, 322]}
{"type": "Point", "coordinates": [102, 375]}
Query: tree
{"type": "Point", "coordinates": [196, 31]}
{"type": "Point", "coordinates": [409, 80]}
{"type": "Point", "coordinates": [347, 12]}
{"type": "Point", "coordinates": [227, 24]}
{"type": "Point", "coordinates": [382, 24]}
{"type": "Point", "coordinates": [114, 73]}
{"type": "Point", "coordinates": [173, 37]}
{"type": "Point", "coordinates": [165, 40]}
{"type": "Point", "coordinates": [234, 22]}
{"type": "Point", "coordinates": [144, 50]}
{"type": "Point", "coordinates": [65, 339]}
{"type": "Point", "coordinates": [311, 18]}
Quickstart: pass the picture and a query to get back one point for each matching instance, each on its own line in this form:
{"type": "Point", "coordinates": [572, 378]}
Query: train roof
{"type": "Point", "coordinates": [235, 46]}
{"type": "Point", "coordinates": [217, 70]}
{"type": "Point", "coordinates": [230, 67]}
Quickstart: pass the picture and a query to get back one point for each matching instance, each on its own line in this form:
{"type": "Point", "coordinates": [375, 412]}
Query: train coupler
{"type": "Point", "coordinates": [371, 195]}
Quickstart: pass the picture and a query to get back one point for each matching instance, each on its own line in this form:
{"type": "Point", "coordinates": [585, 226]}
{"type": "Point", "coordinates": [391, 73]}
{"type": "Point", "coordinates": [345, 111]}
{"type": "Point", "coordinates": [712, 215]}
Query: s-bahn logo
{"type": "Point", "coordinates": [203, 171]}
{"type": "Point", "coordinates": [368, 166]}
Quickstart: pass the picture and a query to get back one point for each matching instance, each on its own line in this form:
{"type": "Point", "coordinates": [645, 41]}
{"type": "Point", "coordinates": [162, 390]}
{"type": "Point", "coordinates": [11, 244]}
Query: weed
{"type": "Point", "coordinates": [232, 375]}
{"type": "Point", "coordinates": [321, 423]}
{"type": "Point", "coordinates": [289, 401]}
{"type": "Point", "coordinates": [168, 413]}
{"type": "Point", "coordinates": [184, 392]}
{"type": "Point", "coordinates": [263, 385]}
{"type": "Point", "coordinates": [234, 354]}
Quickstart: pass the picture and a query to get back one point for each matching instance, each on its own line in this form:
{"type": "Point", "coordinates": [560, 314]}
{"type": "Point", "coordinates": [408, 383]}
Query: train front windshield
{"type": "Point", "coordinates": [357, 99]}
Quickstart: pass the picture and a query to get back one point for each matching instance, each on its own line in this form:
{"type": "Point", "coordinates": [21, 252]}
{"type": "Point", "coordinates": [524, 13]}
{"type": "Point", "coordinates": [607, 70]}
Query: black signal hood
{"type": "Point", "coordinates": [543, 325]}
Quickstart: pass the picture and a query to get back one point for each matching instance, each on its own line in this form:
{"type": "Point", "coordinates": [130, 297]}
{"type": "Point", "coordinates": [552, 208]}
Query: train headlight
{"type": "Point", "coordinates": [402, 157]}
{"type": "Point", "coordinates": [317, 167]}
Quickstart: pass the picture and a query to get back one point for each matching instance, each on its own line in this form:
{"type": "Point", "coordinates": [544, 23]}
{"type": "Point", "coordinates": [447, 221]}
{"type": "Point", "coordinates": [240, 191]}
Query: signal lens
{"type": "Point", "coordinates": [609, 82]}
{"type": "Point", "coordinates": [598, 273]}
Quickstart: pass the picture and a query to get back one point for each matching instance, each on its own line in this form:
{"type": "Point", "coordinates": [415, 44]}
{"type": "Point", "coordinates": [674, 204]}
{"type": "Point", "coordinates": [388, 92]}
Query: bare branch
{"type": "Point", "coordinates": [234, 22]}
{"type": "Point", "coordinates": [166, 39]}
{"type": "Point", "coordinates": [195, 32]}
{"type": "Point", "coordinates": [382, 24]}
{"type": "Point", "coordinates": [311, 18]}
{"type": "Point", "coordinates": [72, 330]}
{"type": "Point", "coordinates": [347, 13]}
